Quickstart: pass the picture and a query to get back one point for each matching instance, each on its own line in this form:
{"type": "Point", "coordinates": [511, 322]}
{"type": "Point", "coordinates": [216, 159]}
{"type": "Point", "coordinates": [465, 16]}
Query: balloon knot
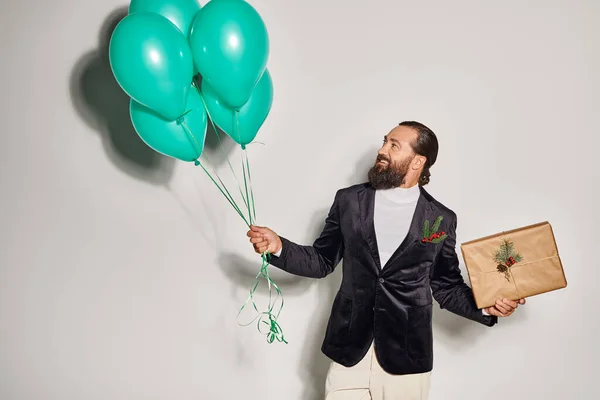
{"type": "Point", "coordinates": [196, 163]}
{"type": "Point", "coordinates": [180, 120]}
{"type": "Point", "coordinates": [243, 147]}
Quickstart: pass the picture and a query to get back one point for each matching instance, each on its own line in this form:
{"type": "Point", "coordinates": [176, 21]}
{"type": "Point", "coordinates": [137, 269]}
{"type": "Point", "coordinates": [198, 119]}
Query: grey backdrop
{"type": "Point", "coordinates": [122, 271]}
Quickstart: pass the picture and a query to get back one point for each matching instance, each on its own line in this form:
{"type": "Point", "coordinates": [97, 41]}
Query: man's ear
{"type": "Point", "coordinates": [419, 162]}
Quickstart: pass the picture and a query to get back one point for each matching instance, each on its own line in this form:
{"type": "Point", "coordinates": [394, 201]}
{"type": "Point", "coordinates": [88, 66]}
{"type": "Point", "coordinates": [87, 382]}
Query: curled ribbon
{"type": "Point", "coordinates": [267, 317]}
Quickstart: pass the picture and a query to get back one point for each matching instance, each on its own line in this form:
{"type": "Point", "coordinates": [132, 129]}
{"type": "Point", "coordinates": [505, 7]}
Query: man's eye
{"type": "Point", "coordinates": [394, 146]}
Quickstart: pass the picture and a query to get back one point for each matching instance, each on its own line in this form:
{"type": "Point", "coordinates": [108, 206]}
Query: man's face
{"type": "Point", "coordinates": [394, 159]}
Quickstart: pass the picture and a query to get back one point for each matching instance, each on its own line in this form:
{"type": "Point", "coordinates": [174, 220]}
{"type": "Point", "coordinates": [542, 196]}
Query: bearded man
{"type": "Point", "coordinates": [379, 334]}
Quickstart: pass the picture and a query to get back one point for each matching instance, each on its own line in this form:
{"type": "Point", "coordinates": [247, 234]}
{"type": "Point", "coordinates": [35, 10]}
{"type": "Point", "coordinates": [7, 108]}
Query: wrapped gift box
{"type": "Point", "coordinates": [514, 264]}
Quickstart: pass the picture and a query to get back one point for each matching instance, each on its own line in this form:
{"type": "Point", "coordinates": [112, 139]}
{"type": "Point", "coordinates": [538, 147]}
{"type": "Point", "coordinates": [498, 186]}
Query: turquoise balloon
{"type": "Point", "coordinates": [251, 115]}
{"type": "Point", "coordinates": [230, 46]}
{"type": "Point", "coordinates": [182, 139]}
{"type": "Point", "coordinates": [180, 12]}
{"type": "Point", "coordinates": [152, 62]}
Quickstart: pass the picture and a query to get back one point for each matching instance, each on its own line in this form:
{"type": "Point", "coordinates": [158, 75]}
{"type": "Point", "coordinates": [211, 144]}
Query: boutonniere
{"type": "Point", "coordinates": [431, 235]}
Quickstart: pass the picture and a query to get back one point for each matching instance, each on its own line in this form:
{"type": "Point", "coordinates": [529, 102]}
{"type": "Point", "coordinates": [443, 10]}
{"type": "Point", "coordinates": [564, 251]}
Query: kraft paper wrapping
{"type": "Point", "coordinates": [535, 267]}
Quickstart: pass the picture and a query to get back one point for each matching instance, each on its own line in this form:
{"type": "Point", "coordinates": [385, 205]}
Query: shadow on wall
{"type": "Point", "coordinates": [314, 364]}
{"type": "Point", "coordinates": [104, 106]}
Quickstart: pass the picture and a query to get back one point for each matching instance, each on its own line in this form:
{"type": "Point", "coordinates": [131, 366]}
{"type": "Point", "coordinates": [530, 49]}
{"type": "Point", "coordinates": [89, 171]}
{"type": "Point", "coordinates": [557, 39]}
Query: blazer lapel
{"type": "Point", "coordinates": [422, 209]}
{"type": "Point", "coordinates": [366, 203]}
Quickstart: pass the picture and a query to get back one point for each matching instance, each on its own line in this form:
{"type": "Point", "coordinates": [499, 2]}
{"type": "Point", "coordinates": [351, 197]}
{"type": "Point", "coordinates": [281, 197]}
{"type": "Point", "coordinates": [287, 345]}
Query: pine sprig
{"type": "Point", "coordinates": [431, 234]}
{"type": "Point", "coordinates": [426, 232]}
{"type": "Point", "coordinates": [506, 256]}
{"type": "Point", "coordinates": [439, 239]}
{"type": "Point", "coordinates": [505, 252]}
{"type": "Point", "coordinates": [436, 224]}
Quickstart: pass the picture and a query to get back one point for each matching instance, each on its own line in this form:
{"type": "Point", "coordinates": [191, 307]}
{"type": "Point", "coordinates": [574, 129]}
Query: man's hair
{"type": "Point", "coordinates": [426, 145]}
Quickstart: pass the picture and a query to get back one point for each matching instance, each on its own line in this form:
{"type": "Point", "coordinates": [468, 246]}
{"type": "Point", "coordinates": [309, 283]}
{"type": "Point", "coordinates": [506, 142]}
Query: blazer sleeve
{"type": "Point", "coordinates": [320, 259]}
{"type": "Point", "coordinates": [448, 286]}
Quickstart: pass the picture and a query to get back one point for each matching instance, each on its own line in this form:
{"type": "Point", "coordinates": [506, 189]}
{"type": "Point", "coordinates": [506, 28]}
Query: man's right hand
{"type": "Point", "coordinates": [264, 239]}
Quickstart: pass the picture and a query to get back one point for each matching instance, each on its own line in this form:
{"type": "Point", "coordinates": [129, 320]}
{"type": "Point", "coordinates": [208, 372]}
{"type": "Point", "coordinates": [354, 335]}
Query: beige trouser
{"type": "Point", "coordinates": [368, 381]}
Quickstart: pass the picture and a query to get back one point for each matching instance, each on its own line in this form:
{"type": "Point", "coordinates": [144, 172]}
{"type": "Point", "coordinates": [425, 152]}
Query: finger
{"type": "Point", "coordinates": [512, 304]}
{"type": "Point", "coordinates": [261, 244]}
{"type": "Point", "coordinates": [522, 301]}
{"type": "Point", "coordinates": [260, 249]}
{"type": "Point", "coordinates": [503, 313]}
{"type": "Point", "coordinates": [254, 234]}
{"type": "Point", "coordinates": [256, 228]}
{"type": "Point", "coordinates": [256, 240]}
{"type": "Point", "coordinates": [503, 308]}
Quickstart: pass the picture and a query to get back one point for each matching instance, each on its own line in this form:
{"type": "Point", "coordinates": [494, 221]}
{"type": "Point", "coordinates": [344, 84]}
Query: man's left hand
{"type": "Point", "coordinates": [504, 307]}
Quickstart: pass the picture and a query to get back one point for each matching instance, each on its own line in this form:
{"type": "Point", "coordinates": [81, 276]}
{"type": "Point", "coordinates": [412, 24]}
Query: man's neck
{"type": "Point", "coordinates": [409, 184]}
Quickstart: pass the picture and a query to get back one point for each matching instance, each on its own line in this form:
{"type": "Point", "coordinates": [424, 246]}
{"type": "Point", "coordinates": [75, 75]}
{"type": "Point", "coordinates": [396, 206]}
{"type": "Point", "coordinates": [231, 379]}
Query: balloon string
{"type": "Point", "coordinates": [221, 144]}
{"type": "Point", "coordinates": [236, 124]}
{"type": "Point", "coordinates": [190, 135]}
{"type": "Point", "coordinates": [232, 202]}
{"type": "Point", "coordinates": [268, 318]}
{"type": "Point", "coordinates": [222, 189]}
{"type": "Point", "coordinates": [250, 180]}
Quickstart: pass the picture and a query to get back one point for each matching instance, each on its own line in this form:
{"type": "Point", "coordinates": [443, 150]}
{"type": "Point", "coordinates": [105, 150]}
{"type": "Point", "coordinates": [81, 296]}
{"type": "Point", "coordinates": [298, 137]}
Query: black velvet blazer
{"type": "Point", "coordinates": [390, 305]}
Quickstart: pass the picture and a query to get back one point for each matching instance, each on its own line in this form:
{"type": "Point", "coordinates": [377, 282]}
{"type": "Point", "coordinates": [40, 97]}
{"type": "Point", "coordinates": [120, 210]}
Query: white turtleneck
{"type": "Point", "coordinates": [394, 209]}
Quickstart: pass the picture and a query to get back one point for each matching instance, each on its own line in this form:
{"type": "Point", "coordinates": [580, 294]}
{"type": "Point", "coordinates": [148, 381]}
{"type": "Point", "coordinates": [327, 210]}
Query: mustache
{"type": "Point", "coordinates": [382, 158]}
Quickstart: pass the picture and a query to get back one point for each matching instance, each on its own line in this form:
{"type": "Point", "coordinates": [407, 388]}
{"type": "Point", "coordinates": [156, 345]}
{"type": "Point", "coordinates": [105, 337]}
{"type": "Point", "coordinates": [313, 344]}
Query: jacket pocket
{"type": "Point", "coordinates": [419, 335]}
{"type": "Point", "coordinates": [340, 320]}
{"type": "Point", "coordinates": [427, 251]}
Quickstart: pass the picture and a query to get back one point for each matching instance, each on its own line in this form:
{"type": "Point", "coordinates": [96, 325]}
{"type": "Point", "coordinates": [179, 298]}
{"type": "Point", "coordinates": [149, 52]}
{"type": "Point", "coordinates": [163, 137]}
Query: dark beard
{"type": "Point", "coordinates": [390, 176]}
